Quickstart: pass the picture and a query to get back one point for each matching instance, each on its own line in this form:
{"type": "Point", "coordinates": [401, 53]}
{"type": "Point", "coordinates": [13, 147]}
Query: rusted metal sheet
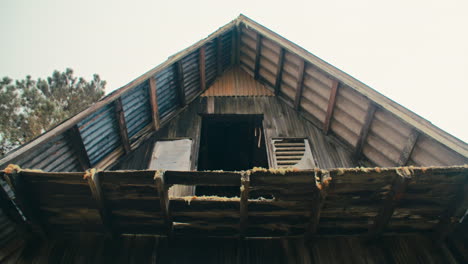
{"type": "Point", "coordinates": [137, 111]}
{"type": "Point", "coordinates": [236, 82]}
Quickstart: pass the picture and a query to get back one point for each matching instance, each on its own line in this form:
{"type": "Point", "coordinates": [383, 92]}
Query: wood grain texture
{"type": "Point", "coordinates": [154, 103]}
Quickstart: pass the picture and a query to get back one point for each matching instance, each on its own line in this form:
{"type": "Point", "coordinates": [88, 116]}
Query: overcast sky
{"type": "Point", "coordinates": [414, 52]}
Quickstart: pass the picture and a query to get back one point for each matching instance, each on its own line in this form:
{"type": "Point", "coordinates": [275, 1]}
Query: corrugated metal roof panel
{"type": "Point", "coordinates": [100, 133]}
{"type": "Point", "coordinates": [166, 91]}
{"type": "Point", "coordinates": [236, 82]}
{"type": "Point", "coordinates": [210, 62]}
{"type": "Point", "coordinates": [57, 155]}
{"type": "Point", "coordinates": [191, 74]}
{"type": "Point", "coordinates": [137, 109]}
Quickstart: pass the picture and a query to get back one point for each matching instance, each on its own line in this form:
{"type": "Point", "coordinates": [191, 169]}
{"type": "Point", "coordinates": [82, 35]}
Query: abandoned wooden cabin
{"type": "Point", "coordinates": [242, 148]}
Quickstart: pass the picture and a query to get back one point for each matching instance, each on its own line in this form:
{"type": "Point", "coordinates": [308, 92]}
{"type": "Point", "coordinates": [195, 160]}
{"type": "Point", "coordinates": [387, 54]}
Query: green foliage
{"type": "Point", "coordinates": [29, 107]}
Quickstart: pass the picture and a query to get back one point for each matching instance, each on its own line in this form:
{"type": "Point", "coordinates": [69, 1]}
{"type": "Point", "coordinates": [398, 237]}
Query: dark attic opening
{"type": "Point", "coordinates": [230, 143]}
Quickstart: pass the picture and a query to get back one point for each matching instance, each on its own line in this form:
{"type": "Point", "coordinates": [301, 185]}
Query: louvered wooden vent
{"type": "Point", "coordinates": [292, 152]}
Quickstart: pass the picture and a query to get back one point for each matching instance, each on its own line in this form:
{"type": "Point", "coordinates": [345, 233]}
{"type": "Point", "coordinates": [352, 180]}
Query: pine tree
{"type": "Point", "coordinates": [30, 107]}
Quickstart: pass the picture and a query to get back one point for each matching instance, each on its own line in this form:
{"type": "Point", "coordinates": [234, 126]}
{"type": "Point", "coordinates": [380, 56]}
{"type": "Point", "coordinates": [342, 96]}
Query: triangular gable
{"type": "Point", "coordinates": [372, 125]}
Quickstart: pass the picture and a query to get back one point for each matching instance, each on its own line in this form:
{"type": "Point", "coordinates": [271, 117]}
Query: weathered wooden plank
{"type": "Point", "coordinates": [244, 202]}
{"type": "Point", "coordinates": [396, 193]}
{"type": "Point", "coordinates": [202, 68]}
{"type": "Point", "coordinates": [279, 71]}
{"type": "Point", "coordinates": [162, 188]}
{"type": "Point", "coordinates": [74, 137]}
{"type": "Point", "coordinates": [364, 131]}
{"type": "Point", "coordinates": [154, 103]}
{"type": "Point", "coordinates": [179, 72]}
{"type": "Point", "coordinates": [409, 146]}
{"type": "Point", "coordinates": [299, 85]}
{"type": "Point", "coordinates": [258, 50]}
{"type": "Point", "coordinates": [331, 107]}
{"type": "Point", "coordinates": [94, 183]}
{"type": "Point", "coordinates": [122, 125]}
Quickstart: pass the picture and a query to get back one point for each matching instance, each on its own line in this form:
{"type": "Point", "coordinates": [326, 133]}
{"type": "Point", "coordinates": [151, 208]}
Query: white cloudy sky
{"type": "Point", "coordinates": [415, 52]}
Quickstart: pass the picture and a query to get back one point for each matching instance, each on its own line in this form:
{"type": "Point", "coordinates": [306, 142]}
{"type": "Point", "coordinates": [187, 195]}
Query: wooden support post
{"type": "Point", "coordinates": [162, 188]}
{"type": "Point", "coordinates": [74, 137]}
{"type": "Point", "coordinates": [202, 68]}
{"type": "Point", "coordinates": [244, 202]}
{"type": "Point", "coordinates": [258, 51]}
{"type": "Point", "coordinates": [331, 107]}
{"type": "Point", "coordinates": [180, 82]}
{"type": "Point", "coordinates": [219, 56]}
{"type": "Point", "coordinates": [397, 191]}
{"type": "Point", "coordinates": [456, 213]}
{"type": "Point", "coordinates": [122, 125]}
{"type": "Point", "coordinates": [364, 131]}
{"type": "Point", "coordinates": [94, 183]}
{"type": "Point", "coordinates": [300, 85]}
{"type": "Point", "coordinates": [154, 103]}
{"type": "Point", "coordinates": [409, 146]}
{"type": "Point", "coordinates": [319, 200]}
{"type": "Point", "coordinates": [279, 72]}
{"type": "Point", "coordinates": [23, 201]}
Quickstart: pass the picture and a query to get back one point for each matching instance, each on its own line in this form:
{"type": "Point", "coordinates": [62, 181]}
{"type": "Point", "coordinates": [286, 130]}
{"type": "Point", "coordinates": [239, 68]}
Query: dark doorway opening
{"type": "Point", "coordinates": [230, 143]}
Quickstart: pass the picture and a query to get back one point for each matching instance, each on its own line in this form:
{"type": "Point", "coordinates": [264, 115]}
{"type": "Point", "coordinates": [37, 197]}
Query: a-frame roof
{"type": "Point", "coordinates": [370, 124]}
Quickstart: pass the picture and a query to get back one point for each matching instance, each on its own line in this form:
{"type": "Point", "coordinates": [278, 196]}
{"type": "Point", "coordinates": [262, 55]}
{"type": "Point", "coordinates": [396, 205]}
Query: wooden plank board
{"type": "Point", "coordinates": [154, 103]}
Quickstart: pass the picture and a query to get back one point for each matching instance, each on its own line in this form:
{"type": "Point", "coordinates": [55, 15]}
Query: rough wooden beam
{"type": "Point", "coordinates": [299, 85]}
{"type": "Point", "coordinates": [94, 183]}
{"type": "Point", "coordinates": [244, 202]}
{"type": "Point", "coordinates": [397, 191]}
{"type": "Point", "coordinates": [24, 202]}
{"type": "Point", "coordinates": [319, 200]}
{"type": "Point", "coordinates": [364, 131]}
{"type": "Point", "coordinates": [122, 125]}
{"type": "Point", "coordinates": [202, 68]}
{"type": "Point", "coordinates": [179, 70]}
{"type": "Point", "coordinates": [258, 51]}
{"type": "Point", "coordinates": [331, 107]}
{"type": "Point", "coordinates": [219, 56]}
{"type": "Point", "coordinates": [74, 137]}
{"type": "Point", "coordinates": [154, 103]}
{"type": "Point", "coordinates": [279, 71]}
{"type": "Point", "coordinates": [409, 146]}
{"type": "Point", "coordinates": [162, 188]}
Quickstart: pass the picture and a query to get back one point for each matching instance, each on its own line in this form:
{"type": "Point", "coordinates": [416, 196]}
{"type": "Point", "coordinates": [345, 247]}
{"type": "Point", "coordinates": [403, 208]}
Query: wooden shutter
{"type": "Point", "coordinates": [293, 152]}
{"type": "Point", "coordinates": [173, 155]}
